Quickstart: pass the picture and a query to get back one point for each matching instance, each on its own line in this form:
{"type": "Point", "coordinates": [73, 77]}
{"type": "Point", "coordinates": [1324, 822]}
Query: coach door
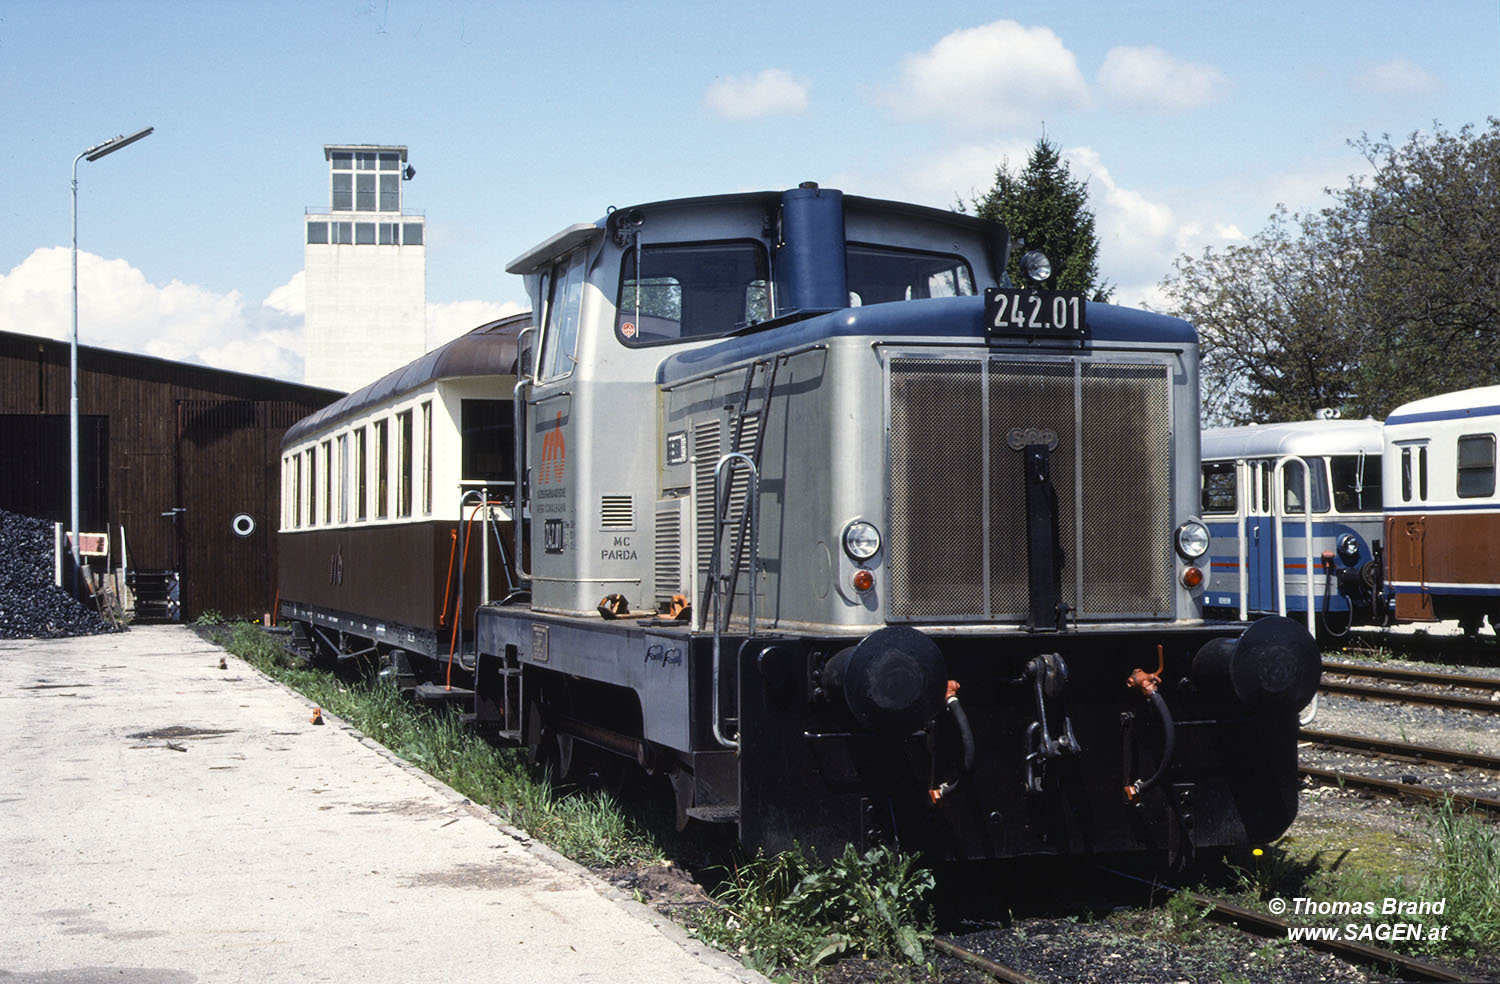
{"type": "Point", "coordinates": [1260, 535]}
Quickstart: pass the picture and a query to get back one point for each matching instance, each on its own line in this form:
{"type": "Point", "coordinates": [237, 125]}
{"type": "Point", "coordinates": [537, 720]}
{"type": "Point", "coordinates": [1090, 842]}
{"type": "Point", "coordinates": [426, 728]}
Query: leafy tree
{"type": "Point", "coordinates": [1044, 205]}
{"type": "Point", "coordinates": [1390, 293]}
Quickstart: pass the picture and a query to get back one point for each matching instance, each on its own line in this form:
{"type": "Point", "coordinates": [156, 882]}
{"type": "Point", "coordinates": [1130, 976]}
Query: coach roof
{"type": "Point", "coordinates": [489, 350]}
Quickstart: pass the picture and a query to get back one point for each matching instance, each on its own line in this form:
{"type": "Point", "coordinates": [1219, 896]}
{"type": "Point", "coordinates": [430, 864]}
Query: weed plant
{"type": "Point", "coordinates": [1466, 856]}
{"type": "Point", "coordinates": [787, 911]}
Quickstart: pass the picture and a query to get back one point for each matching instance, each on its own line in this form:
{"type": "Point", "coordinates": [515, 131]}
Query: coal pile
{"type": "Point", "coordinates": [31, 606]}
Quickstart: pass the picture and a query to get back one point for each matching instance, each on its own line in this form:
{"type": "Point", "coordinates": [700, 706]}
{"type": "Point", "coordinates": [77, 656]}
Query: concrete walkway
{"type": "Point", "coordinates": [163, 821]}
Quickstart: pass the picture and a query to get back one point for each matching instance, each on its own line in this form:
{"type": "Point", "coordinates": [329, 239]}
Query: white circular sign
{"type": "Point", "coordinates": [243, 524]}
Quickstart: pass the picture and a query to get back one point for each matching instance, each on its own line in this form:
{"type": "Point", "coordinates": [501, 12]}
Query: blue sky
{"type": "Point", "coordinates": [1190, 120]}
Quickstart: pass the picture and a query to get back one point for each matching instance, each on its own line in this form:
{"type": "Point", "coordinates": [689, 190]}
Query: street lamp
{"type": "Point", "coordinates": [92, 154]}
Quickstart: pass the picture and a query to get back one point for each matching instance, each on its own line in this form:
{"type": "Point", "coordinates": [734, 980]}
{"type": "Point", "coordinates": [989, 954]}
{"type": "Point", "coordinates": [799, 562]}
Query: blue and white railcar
{"type": "Point", "coordinates": [1271, 555]}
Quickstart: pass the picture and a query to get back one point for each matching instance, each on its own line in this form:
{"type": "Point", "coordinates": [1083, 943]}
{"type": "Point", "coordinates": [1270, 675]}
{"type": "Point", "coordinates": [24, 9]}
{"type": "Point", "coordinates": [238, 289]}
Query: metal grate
{"type": "Point", "coordinates": [1037, 397]}
{"type": "Point", "coordinates": [937, 478]}
{"type": "Point", "coordinates": [1127, 492]}
{"type": "Point", "coordinates": [616, 512]}
{"type": "Point", "coordinates": [671, 576]}
{"type": "Point", "coordinates": [957, 536]}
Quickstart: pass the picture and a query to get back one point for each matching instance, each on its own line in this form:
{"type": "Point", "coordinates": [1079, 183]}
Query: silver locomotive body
{"type": "Point", "coordinates": [826, 528]}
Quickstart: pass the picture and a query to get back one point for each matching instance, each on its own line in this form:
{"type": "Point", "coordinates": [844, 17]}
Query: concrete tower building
{"type": "Point", "coordinates": [365, 268]}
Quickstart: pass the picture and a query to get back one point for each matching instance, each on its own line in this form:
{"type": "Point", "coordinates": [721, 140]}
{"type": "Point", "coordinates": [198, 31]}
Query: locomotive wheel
{"type": "Point", "coordinates": [545, 745]}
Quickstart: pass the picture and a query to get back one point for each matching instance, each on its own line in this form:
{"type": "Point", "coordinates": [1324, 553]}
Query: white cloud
{"type": "Point", "coordinates": [1151, 79]}
{"type": "Point", "coordinates": [1398, 77]}
{"type": "Point", "coordinates": [119, 309]}
{"type": "Point", "coordinates": [772, 92]}
{"type": "Point", "coordinates": [1000, 74]}
{"type": "Point", "coordinates": [446, 321]}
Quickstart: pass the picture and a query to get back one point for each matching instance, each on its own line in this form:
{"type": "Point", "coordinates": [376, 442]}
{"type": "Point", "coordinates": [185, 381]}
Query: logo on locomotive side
{"type": "Point", "coordinates": [554, 455]}
{"type": "Point", "coordinates": [1019, 438]}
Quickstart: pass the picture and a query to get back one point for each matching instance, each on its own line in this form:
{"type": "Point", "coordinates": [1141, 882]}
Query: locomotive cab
{"type": "Point", "coordinates": [854, 540]}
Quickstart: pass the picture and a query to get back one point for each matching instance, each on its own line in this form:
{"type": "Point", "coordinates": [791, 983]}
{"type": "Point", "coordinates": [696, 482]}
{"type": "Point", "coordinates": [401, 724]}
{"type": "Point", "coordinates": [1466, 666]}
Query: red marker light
{"type": "Point", "coordinates": [1192, 577]}
{"type": "Point", "coordinates": [862, 580]}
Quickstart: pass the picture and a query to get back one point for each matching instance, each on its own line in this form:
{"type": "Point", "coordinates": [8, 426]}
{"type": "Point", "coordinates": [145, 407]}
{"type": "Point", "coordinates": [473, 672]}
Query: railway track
{"type": "Point", "coordinates": [1411, 683]}
{"type": "Point", "coordinates": [1273, 927]}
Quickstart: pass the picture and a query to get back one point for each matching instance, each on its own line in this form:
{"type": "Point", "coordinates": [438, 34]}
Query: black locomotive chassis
{"type": "Point", "coordinates": [806, 772]}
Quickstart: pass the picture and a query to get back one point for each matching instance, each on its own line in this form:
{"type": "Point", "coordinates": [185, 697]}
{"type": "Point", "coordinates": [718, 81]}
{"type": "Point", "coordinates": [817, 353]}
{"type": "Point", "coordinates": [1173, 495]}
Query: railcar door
{"type": "Point", "coordinates": [1260, 536]}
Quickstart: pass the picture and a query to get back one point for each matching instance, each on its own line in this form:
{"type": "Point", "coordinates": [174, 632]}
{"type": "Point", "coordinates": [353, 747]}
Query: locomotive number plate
{"type": "Point", "coordinates": [1035, 313]}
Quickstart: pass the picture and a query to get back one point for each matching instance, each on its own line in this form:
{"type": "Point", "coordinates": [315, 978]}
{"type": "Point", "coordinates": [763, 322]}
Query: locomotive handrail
{"type": "Point", "coordinates": [1278, 504]}
{"type": "Point", "coordinates": [752, 506]}
{"type": "Point", "coordinates": [518, 444]}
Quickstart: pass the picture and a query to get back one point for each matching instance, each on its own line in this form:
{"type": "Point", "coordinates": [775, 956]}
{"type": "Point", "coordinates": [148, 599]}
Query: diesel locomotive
{"type": "Point", "coordinates": [820, 517]}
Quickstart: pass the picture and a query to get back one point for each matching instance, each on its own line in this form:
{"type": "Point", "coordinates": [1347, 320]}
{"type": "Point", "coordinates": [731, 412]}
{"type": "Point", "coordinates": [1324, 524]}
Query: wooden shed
{"type": "Point", "coordinates": [181, 459]}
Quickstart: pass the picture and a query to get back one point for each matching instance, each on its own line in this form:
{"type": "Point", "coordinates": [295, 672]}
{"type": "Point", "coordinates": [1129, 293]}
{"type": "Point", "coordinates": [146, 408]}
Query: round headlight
{"type": "Point", "coordinates": [861, 540]}
{"type": "Point", "coordinates": [1348, 548]}
{"type": "Point", "coordinates": [1035, 266]}
{"type": "Point", "coordinates": [1192, 539]}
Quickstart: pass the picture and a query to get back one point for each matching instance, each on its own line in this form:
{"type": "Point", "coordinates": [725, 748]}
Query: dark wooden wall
{"type": "Point", "coordinates": [176, 437]}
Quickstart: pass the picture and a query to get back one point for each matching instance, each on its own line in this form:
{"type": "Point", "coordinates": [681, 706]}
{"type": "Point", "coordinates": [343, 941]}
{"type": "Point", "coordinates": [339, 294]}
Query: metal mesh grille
{"type": "Point", "coordinates": [957, 539]}
{"type": "Point", "coordinates": [937, 488]}
{"type": "Point", "coordinates": [616, 512]}
{"type": "Point", "coordinates": [669, 546]}
{"type": "Point", "coordinates": [707, 449]}
{"type": "Point", "coordinates": [1031, 396]}
{"type": "Point", "coordinates": [1127, 490]}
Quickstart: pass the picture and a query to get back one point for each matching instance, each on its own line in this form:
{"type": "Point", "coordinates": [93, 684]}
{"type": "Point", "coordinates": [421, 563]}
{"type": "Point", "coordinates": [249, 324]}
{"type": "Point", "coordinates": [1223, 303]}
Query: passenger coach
{"type": "Point", "coordinates": [1442, 519]}
{"type": "Point", "coordinates": [383, 527]}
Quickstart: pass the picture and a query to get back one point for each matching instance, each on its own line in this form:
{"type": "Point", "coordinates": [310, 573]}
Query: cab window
{"type": "Point", "coordinates": [1476, 466]}
{"type": "Point", "coordinates": [1293, 486]}
{"type": "Point", "coordinates": [878, 274]}
{"type": "Point", "coordinates": [560, 329]}
{"type": "Point", "coordinates": [691, 290]}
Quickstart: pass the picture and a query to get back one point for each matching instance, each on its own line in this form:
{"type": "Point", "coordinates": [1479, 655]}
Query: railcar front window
{"type": "Point", "coordinates": [1219, 492]}
{"type": "Point", "coordinates": [1476, 466]}
{"type": "Point", "coordinates": [1356, 482]}
{"type": "Point", "coordinates": [691, 290]}
{"type": "Point", "coordinates": [878, 274]}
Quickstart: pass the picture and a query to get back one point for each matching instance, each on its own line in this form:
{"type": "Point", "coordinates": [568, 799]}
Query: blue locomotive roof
{"type": "Point", "coordinates": [933, 318]}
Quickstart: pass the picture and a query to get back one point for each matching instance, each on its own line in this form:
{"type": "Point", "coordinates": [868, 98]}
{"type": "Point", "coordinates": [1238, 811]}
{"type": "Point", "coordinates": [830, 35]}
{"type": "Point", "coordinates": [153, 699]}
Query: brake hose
{"type": "Point", "coordinates": [965, 735]}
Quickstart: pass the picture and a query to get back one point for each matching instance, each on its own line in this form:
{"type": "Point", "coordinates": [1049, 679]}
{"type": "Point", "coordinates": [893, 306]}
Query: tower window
{"type": "Point", "coordinates": [390, 193]}
{"type": "Point", "coordinates": [317, 232]}
{"type": "Point", "coordinates": [343, 192]}
{"type": "Point", "coordinates": [364, 234]}
{"type": "Point", "coordinates": [364, 192]}
{"type": "Point", "coordinates": [411, 234]}
{"type": "Point", "coordinates": [390, 234]}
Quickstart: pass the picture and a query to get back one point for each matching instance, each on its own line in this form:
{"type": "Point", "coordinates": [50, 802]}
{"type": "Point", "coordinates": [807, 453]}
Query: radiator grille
{"type": "Point", "coordinates": [616, 512]}
{"type": "Point", "coordinates": [957, 532]}
{"type": "Point", "coordinates": [671, 575]}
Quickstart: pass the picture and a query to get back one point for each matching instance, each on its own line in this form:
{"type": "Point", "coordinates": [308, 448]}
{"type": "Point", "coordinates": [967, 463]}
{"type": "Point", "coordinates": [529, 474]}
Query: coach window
{"type": "Point", "coordinates": [1414, 472]}
{"type": "Point", "coordinates": [343, 465]}
{"type": "Point", "coordinates": [560, 331]}
{"type": "Point", "coordinates": [878, 274]}
{"type": "Point", "coordinates": [382, 468]}
{"type": "Point", "coordinates": [1219, 488]}
{"type": "Point", "coordinates": [427, 458]}
{"type": "Point", "coordinates": [486, 436]}
{"type": "Point", "coordinates": [1476, 466]}
{"type": "Point", "coordinates": [1356, 482]}
{"type": "Point", "coordinates": [296, 491]}
{"type": "Point", "coordinates": [312, 486]}
{"type": "Point", "coordinates": [361, 477]}
{"type": "Point", "coordinates": [691, 290]}
{"type": "Point", "coordinates": [403, 463]}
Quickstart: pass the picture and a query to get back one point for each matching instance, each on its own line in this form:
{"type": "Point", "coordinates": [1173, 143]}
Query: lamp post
{"type": "Point", "coordinates": [92, 154]}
